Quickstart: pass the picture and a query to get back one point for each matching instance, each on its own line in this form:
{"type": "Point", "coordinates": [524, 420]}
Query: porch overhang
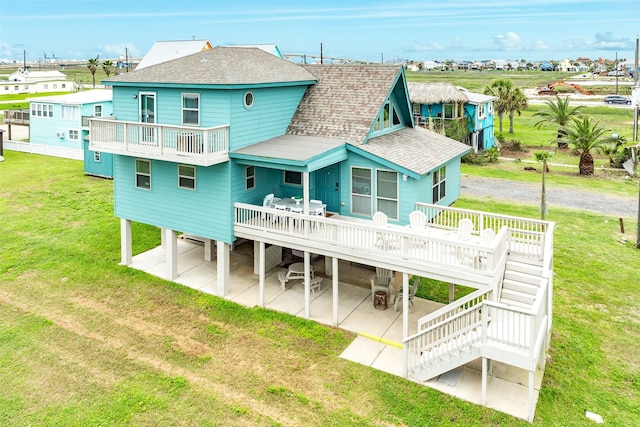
{"type": "Point", "coordinates": [292, 152]}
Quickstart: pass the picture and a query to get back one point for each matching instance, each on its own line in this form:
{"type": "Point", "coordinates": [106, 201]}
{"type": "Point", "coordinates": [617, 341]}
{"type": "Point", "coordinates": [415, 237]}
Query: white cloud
{"type": "Point", "coordinates": [606, 41]}
{"type": "Point", "coordinates": [117, 50]}
{"type": "Point", "coordinates": [510, 41]}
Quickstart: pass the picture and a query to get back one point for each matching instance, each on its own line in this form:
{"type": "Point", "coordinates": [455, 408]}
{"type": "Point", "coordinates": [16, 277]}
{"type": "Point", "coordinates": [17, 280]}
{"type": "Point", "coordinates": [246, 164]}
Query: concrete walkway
{"type": "Point", "coordinates": [379, 332]}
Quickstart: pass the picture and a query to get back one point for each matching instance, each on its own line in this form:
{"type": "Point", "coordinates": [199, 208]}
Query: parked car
{"type": "Point", "coordinates": [615, 73]}
{"type": "Point", "coordinates": [617, 99]}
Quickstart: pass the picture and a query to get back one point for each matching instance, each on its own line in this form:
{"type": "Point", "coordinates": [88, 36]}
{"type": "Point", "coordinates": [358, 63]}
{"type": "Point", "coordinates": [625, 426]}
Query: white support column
{"type": "Point", "coordinates": [163, 240]}
{"type": "Point", "coordinates": [209, 253]}
{"type": "Point", "coordinates": [222, 287]}
{"type": "Point", "coordinates": [405, 306]}
{"type": "Point", "coordinates": [171, 253]}
{"type": "Point", "coordinates": [261, 267]}
{"type": "Point", "coordinates": [126, 251]}
{"type": "Point", "coordinates": [452, 292]}
{"type": "Point", "coordinates": [328, 266]}
{"type": "Point", "coordinates": [307, 279]}
{"type": "Point", "coordinates": [305, 192]}
{"type": "Point", "coordinates": [334, 283]}
{"type": "Point", "coordinates": [484, 381]}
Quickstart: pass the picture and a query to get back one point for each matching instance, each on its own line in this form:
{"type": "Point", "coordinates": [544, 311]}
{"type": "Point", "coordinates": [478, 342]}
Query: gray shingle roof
{"type": "Point", "coordinates": [344, 101]}
{"type": "Point", "coordinates": [417, 149]}
{"type": "Point", "coordinates": [220, 66]}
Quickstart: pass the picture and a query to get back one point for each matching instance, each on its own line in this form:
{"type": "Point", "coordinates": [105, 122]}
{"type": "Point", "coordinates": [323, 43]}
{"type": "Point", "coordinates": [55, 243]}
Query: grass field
{"type": "Point", "coordinates": [84, 341]}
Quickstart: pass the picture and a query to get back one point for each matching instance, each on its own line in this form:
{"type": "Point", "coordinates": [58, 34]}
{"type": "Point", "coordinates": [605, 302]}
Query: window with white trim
{"type": "Point", "coordinates": [73, 134]}
{"type": "Point", "coordinates": [143, 174]}
{"type": "Point", "coordinates": [248, 99]}
{"type": "Point", "coordinates": [490, 107]}
{"type": "Point", "coordinates": [481, 111]}
{"type": "Point", "coordinates": [96, 156]}
{"type": "Point", "coordinates": [70, 112]}
{"type": "Point", "coordinates": [249, 177]}
{"type": "Point", "coordinates": [361, 191]}
{"type": "Point", "coordinates": [388, 117]}
{"type": "Point", "coordinates": [187, 177]}
{"type": "Point", "coordinates": [439, 184]}
{"type": "Point", "coordinates": [190, 109]}
{"type": "Point", "coordinates": [387, 192]}
{"type": "Point", "coordinates": [97, 110]}
{"type": "Point", "coordinates": [448, 111]}
{"type": "Point", "coordinates": [41, 110]}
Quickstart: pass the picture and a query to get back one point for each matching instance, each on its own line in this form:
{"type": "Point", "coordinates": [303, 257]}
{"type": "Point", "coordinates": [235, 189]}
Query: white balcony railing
{"type": "Point", "coordinates": [181, 144]}
{"type": "Point", "coordinates": [395, 247]}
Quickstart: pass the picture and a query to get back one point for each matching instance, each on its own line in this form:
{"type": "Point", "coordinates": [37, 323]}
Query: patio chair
{"type": "Point", "coordinates": [486, 237]}
{"type": "Point", "coordinates": [383, 240]}
{"type": "Point", "coordinates": [279, 218]}
{"type": "Point", "coordinates": [382, 281]}
{"type": "Point", "coordinates": [465, 227]}
{"type": "Point", "coordinates": [418, 221]}
{"type": "Point", "coordinates": [267, 202]}
{"type": "Point", "coordinates": [413, 289]}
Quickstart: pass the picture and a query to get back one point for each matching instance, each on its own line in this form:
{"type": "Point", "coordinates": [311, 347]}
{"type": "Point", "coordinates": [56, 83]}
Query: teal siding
{"type": "Point", "coordinates": [269, 116]}
{"type": "Point", "coordinates": [103, 168]}
{"type": "Point", "coordinates": [43, 130]}
{"type": "Point", "coordinates": [205, 212]}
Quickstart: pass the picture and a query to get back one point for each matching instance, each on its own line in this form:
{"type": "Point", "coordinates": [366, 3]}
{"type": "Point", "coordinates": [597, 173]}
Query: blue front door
{"type": "Point", "coordinates": [328, 187]}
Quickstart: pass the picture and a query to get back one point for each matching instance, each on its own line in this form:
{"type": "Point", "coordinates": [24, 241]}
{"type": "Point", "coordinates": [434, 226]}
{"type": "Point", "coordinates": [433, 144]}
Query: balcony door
{"type": "Point", "coordinates": [147, 115]}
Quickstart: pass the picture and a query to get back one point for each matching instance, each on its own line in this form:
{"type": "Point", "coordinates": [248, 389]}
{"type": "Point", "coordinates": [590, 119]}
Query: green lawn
{"type": "Point", "coordinates": [85, 341]}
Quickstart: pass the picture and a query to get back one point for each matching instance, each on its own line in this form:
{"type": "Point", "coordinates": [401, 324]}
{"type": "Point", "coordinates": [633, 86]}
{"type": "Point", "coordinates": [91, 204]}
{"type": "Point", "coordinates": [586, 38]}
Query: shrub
{"type": "Point", "coordinates": [512, 145]}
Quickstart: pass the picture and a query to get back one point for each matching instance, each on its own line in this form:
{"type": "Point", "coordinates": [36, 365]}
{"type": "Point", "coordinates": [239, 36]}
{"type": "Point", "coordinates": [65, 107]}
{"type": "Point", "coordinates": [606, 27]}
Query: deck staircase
{"type": "Point", "coordinates": [452, 336]}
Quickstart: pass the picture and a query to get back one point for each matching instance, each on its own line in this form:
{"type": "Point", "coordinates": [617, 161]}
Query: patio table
{"type": "Point", "coordinates": [296, 271]}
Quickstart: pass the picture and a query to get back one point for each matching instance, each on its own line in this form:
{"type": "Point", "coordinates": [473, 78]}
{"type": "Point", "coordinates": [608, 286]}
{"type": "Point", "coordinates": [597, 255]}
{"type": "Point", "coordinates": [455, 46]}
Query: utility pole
{"type": "Point", "coordinates": [616, 71]}
{"type": "Point", "coordinates": [321, 57]}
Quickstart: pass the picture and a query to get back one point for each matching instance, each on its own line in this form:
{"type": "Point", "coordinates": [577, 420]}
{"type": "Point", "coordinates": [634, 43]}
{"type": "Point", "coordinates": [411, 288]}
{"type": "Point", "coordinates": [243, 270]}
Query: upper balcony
{"type": "Point", "coordinates": [180, 144]}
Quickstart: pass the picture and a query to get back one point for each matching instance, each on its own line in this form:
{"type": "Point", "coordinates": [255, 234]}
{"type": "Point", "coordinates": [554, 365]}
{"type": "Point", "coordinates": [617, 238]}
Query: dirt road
{"type": "Point", "coordinates": [529, 193]}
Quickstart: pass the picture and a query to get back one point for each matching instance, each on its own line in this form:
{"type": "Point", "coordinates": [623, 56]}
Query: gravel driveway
{"type": "Point", "coordinates": [529, 193]}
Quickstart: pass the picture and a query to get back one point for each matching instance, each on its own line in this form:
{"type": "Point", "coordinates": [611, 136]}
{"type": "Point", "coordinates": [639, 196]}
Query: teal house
{"type": "Point", "coordinates": [59, 126]}
{"type": "Point", "coordinates": [463, 115]}
{"type": "Point", "coordinates": [195, 135]}
{"type": "Point", "coordinates": [235, 144]}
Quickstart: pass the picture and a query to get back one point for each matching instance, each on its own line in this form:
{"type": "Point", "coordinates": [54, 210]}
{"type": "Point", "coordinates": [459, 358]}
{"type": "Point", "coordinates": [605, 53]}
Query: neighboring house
{"type": "Point", "coordinates": [463, 115]}
{"type": "Point", "coordinates": [267, 47]}
{"type": "Point", "coordinates": [26, 81]}
{"type": "Point", "coordinates": [200, 141]}
{"type": "Point", "coordinates": [58, 126]}
{"type": "Point", "coordinates": [163, 51]}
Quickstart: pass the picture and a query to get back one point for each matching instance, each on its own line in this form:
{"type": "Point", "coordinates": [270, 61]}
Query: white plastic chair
{"type": "Point", "coordinates": [418, 221]}
{"type": "Point", "coordinates": [267, 202]}
{"type": "Point", "coordinates": [465, 227]}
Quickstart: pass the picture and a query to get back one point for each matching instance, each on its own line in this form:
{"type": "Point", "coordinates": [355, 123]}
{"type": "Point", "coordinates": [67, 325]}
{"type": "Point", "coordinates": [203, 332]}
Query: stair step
{"type": "Point", "coordinates": [513, 303]}
{"type": "Point", "coordinates": [523, 277]}
{"type": "Point", "coordinates": [512, 295]}
{"type": "Point", "coordinates": [523, 267]}
{"type": "Point", "coordinates": [515, 285]}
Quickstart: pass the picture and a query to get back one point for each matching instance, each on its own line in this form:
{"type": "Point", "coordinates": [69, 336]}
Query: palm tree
{"type": "Point", "coordinates": [500, 89]}
{"type": "Point", "coordinates": [557, 112]}
{"type": "Point", "coordinates": [93, 67]}
{"type": "Point", "coordinates": [107, 67]}
{"type": "Point", "coordinates": [516, 101]}
{"type": "Point", "coordinates": [585, 136]}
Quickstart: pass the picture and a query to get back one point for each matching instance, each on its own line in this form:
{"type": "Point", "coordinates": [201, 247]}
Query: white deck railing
{"type": "Point", "coordinates": [396, 245]}
{"type": "Point", "coordinates": [183, 144]}
{"type": "Point", "coordinates": [503, 333]}
{"type": "Point", "coordinates": [527, 237]}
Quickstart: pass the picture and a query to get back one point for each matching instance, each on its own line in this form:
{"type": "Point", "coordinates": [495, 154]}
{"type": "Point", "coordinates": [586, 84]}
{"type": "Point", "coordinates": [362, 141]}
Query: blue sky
{"type": "Point", "coordinates": [364, 30]}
